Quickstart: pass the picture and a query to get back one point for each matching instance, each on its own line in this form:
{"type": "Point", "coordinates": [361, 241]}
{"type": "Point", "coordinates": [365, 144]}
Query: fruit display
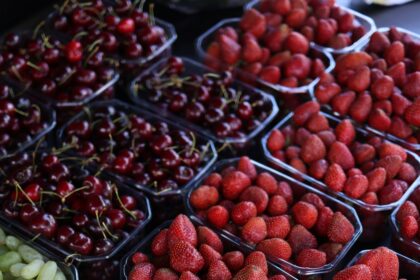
{"type": "Point", "coordinates": [70, 208]}
{"type": "Point", "coordinates": [19, 260]}
{"type": "Point", "coordinates": [278, 57]}
{"type": "Point", "coordinates": [405, 222]}
{"type": "Point", "coordinates": [330, 26]}
{"type": "Point", "coordinates": [379, 86]}
{"type": "Point", "coordinates": [157, 156]}
{"type": "Point", "coordinates": [23, 119]}
{"type": "Point", "coordinates": [296, 226]}
{"type": "Point", "coordinates": [380, 263]}
{"type": "Point", "coordinates": [225, 110]}
{"type": "Point", "coordinates": [185, 249]}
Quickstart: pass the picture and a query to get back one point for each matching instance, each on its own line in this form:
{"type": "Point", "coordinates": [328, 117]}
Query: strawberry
{"type": "Point", "coordinates": [352, 61]}
{"type": "Point", "coordinates": [408, 208]}
{"type": "Point", "coordinates": [412, 114]}
{"type": "Point", "coordinates": [254, 22]}
{"type": "Point", "coordinates": [391, 164]}
{"type": "Point", "coordinates": [328, 137]}
{"type": "Point", "coordinates": [281, 7]}
{"type": "Point", "coordinates": [317, 169]}
{"type": "Point", "coordinates": [331, 250]}
{"type": "Point", "coordinates": [400, 128]}
{"type": "Point", "coordinates": [277, 277]}
{"type": "Point", "coordinates": [379, 120]}
{"type": "Point", "coordinates": [142, 271]}
{"type": "Point", "coordinates": [311, 258]}
{"type": "Point", "coordinates": [313, 149]}
{"type": "Point", "coordinates": [273, 39]}
{"type": "Point", "coordinates": [376, 178]}
{"type": "Point", "coordinates": [340, 230]}
{"type": "Point", "coordinates": [242, 212]}
{"type": "Point", "coordinates": [184, 257]}
{"type": "Point", "coordinates": [359, 272]}
{"type": "Point", "coordinates": [356, 186]}
{"type": "Point", "coordinates": [214, 180]}
{"type": "Point", "coordinates": [257, 258]}
{"type": "Point", "coordinates": [285, 191]}
{"type": "Point", "coordinates": [218, 271]}
{"type": "Point", "coordinates": [360, 108]}
{"type": "Point", "coordinates": [324, 219]}
{"type": "Point", "coordinates": [272, 20]}
{"type": "Point", "coordinates": [305, 214]}
{"type": "Point", "coordinates": [279, 59]}
{"type": "Point", "coordinates": [394, 53]}
{"type": "Point", "coordinates": [204, 197]}
{"type": "Point", "coordinates": [209, 254]}
{"type": "Point", "coordinates": [382, 262]}
{"type": "Point", "coordinates": [300, 238]}
{"type": "Point", "coordinates": [383, 87]}
{"type": "Point", "coordinates": [364, 153]}
{"type": "Point", "coordinates": [213, 56]}
{"type": "Point", "coordinates": [299, 165]}
{"type": "Point", "coordinates": [341, 102]}
{"type": "Point", "coordinates": [267, 182]}
{"type": "Point", "coordinates": [360, 80]}
{"type": "Point", "coordinates": [250, 272]}
{"type": "Point", "coordinates": [298, 66]}
{"type": "Point", "coordinates": [317, 68]}
{"type": "Point", "coordinates": [228, 31]}
{"type": "Point", "coordinates": [313, 199]}
{"type": "Point", "coordinates": [392, 192]}
{"type": "Point", "coordinates": [139, 257]}
{"type": "Point", "coordinates": [159, 244]}
{"type": "Point", "coordinates": [188, 275]}
{"type": "Point", "coordinates": [165, 274]}
{"type": "Point", "coordinates": [326, 91]}
{"type": "Point", "coordinates": [370, 198]}
{"type": "Point", "coordinates": [345, 132]}
{"type": "Point", "coordinates": [251, 50]}
{"type": "Point", "coordinates": [218, 216]}
{"type": "Point", "coordinates": [324, 31]}
{"type": "Point", "coordinates": [335, 177]}
{"type": "Point", "coordinates": [247, 167]}
{"type": "Point", "coordinates": [339, 153]}
{"type": "Point", "coordinates": [209, 237]}
{"type": "Point", "coordinates": [234, 183]}
{"type": "Point", "coordinates": [409, 227]}
{"type": "Point", "coordinates": [234, 260]}
{"type": "Point", "coordinates": [277, 205]}
{"type": "Point", "coordinates": [412, 86]}
{"type": "Point", "coordinates": [278, 227]}
{"type": "Point", "coordinates": [275, 141]}
{"type": "Point", "coordinates": [230, 50]}
{"type": "Point", "coordinates": [275, 248]}
{"type": "Point", "coordinates": [301, 135]}
{"type": "Point", "coordinates": [256, 195]}
{"type": "Point", "coordinates": [296, 43]}
{"type": "Point", "coordinates": [317, 122]}
{"type": "Point", "coordinates": [389, 149]}
{"type": "Point", "coordinates": [398, 73]}
{"type": "Point", "coordinates": [345, 23]}
{"type": "Point", "coordinates": [378, 43]}
{"type": "Point", "coordinates": [296, 18]}
{"type": "Point", "coordinates": [181, 229]}
{"type": "Point", "coordinates": [254, 230]}
{"type": "Point", "coordinates": [270, 74]}
{"type": "Point", "coordinates": [304, 112]}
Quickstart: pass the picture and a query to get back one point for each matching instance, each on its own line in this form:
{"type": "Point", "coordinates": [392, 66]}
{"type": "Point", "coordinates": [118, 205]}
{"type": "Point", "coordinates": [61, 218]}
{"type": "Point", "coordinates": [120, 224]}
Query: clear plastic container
{"type": "Point", "coordinates": [228, 244]}
{"type": "Point", "coordinates": [409, 269]}
{"type": "Point", "coordinates": [69, 270]}
{"type": "Point", "coordinates": [299, 189]}
{"type": "Point", "coordinates": [47, 114]}
{"type": "Point", "coordinates": [192, 67]}
{"type": "Point", "coordinates": [359, 18]}
{"type": "Point", "coordinates": [206, 38]}
{"type": "Point", "coordinates": [373, 217]}
{"type": "Point", "coordinates": [67, 255]}
{"type": "Point", "coordinates": [195, 6]}
{"type": "Point", "coordinates": [406, 246]}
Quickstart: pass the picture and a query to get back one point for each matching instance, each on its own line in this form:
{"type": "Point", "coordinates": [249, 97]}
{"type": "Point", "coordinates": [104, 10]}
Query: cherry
{"type": "Point", "coordinates": [80, 17]}
{"type": "Point", "coordinates": [170, 158]}
{"type": "Point", "coordinates": [191, 159]}
{"type": "Point", "coordinates": [49, 161]}
{"type": "Point", "coordinates": [94, 204]}
{"type": "Point", "coordinates": [60, 23]}
{"type": "Point", "coordinates": [161, 142]}
{"type": "Point", "coordinates": [245, 111]}
{"type": "Point", "coordinates": [85, 76]}
{"type": "Point", "coordinates": [43, 223]}
{"type": "Point", "coordinates": [74, 51]}
{"type": "Point", "coordinates": [58, 172]}
{"type": "Point", "coordinates": [117, 217]}
{"type": "Point", "coordinates": [80, 243]}
{"type": "Point", "coordinates": [33, 192]}
{"type": "Point", "coordinates": [79, 128]}
{"type": "Point", "coordinates": [214, 115]}
{"type": "Point", "coordinates": [64, 188]}
{"type": "Point", "coordinates": [167, 184]}
{"type": "Point", "coordinates": [94, 185]}
{"type": "Point", "coordinates": [55, 208]}
{"type": "Point", "coordinates": [80, 220]}
{"type": "Point", "coordinates": [28, 212]}
{"type": "Point", "coordinates": [128, 202]}
{"type": "Point", "coordinates": [194, 111]}
{"type": "Point", "coordinates": [81, 92]}
{"type": "Point", "coordinates": [126, 26]}
{"type": "Point", "coordinates": [133, 50]}
{"type": "Point", "coordinates": [12, 40]}
{"type": "Point", "coordinates": [136, 220]}
{"type": "Point", "coordinates": [103, 246]}
{"type": "Point", "coordinates": [63, 235]}
{"type": "Point", "coordinates": [122, 164]}
{"type": "Point", "coordinates": [183, 174]}
{"type": "Point", "coordinates": [10, 209]}
{"type": "Point", "coordinates": [176, 65]}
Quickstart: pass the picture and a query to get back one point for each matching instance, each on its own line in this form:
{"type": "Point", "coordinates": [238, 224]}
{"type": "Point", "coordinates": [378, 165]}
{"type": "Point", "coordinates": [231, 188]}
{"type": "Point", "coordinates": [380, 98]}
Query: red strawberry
{"type": "Point", "coordinates": [398, 73]}
{"type": "Point", "coordinates": [317, 122]}
{"type": "Point", "coordinates": [318, 168]}
{"type": "Point", "coordinates": [341, 103]}
{"type": "Point", "coordinates": [305, 214]}
{"type": "Point", "coordinates": [313, 149]}
{"type": "Point", "coordinates": [408, 208]}
{"type": "Point", "coordinates": [218, 271]}
{"type": "Point", "coordinates": [251, 50]}
{"type": "Point", "coordinates": [412, 86]}
{"type": "Point", "coordinates": [182, 229]}
{"type": "Point", "coordinates": [142, 271]}
{"type": "Point", "coordinates": [300, 238]}
{"type": "Point", "coordinates": [311, 258]}
{"type": "Point", "coordinates": [254, 230]}
{"type": "Point", "coordinates": [400, 128]}
{"type": "Point", "coordinates": [328, 137]}
{"type": "Point", "coordinates": [383, 87]}
{"type": "Point", "coordinates": [139, 257]}
{"type": "Point", "coordinates": [256, 195]}
{"type": "Point", "coordinates": [304, 112]}
{"type": "Point", "coordinates": [324, 31]}
{"type": "Point", "coordinates": [277, 277]}
{"type": "Point", "coordinates": [274, 38]}
{"type": "Point", "coordinates": [335, 177]}
{"type": "Point", "coordinates": [298, 66]}
{"type": "Point", "coordinates": [353, 61]}
{"type": "Point", "coordinates": [230, 50]}
{"type": "Point", "coordinates": [364, 153]}
{"type": "Point", "coordinates": [412, 114]}
{"type": "Point", "coordinates": [276, 140]}
{"type": "Point", "coordinates": [376, 178]}
{"type": "Point", "coordinates": [234, 260]}
{"type": "Point", "coordinates": [285, 191]}
{"type": "Point", "coordinates": [275, 248]}
{"type": "Point", "coordinates": [257, 258]}
{"type": "Point", "coordinates": [209, 254]}
{"type": "Point", "coordinates": [370, 198]}
{"type": "Point", "coordinates": [356, 186]}
{"type": "Point", "coordinates": [165, 274]}
{"type": "Point", "coordinates": [378, 43]}
{"type": "Point", "coordinates": [214, 180]}
{"type": "Point", "coordinates": [392, 192]}
{"type": "Point", "coordinates": [299, 165]}
{"type": "Point", "coordinates": [234, 183]}
{"type": "Point", "coordinates": [391, 164]}
{"type": "Point", "coordinates": [159, 244]}
{"type": "Point", "coordinates": [209, 237]}
{"type": "Point", "coordinates": [296, 18]}
{"type": "Point", "coordinates": [360, 108]}
{"type": "Point", "coordinates": [409, 227]}
{"type": "Point", "coordinates": [359, 272]}
{"type": "Point", "coordinates": [247, 167]}
{"type": "Point", "coordinates": [204, 197]}
{"type": "Point", "coordinates": [313, 199]}
{"type": "Point", "coordinates": [187, 275]}
{"type": "Point", "coordinates": [253, 21]}
{"type": "Point", "coordinates": [324, 219]}
{"type": "Point", "coordinates": [279, 58]}
{"type": "Point", "coordinates": [277, 205]}
{"type": "Point", "coordinates": [184, 257]}
{"type": "Point", "coordinates": [250, 272]}
{"type": "Point", "coordinates": [278, 227]}
{"type": "Point", "coordinates": [301, 135]}
{"type": "Point", "coordinates": [360, 80]}
{"type": "Point", "coordinates": [379, 120]}
{"type": "Point", "coordinates": [340, 230]}
{"type": "Point", "coordinates": [296, 43]}
{"type": "Point", "coordinates": [326, 91]}
{"type": "Point", "coordinates": [270, 74]}
{"type": "Point", "coordinates": [267, 182]}
{"type": "Point", "coordinates": [281, 7]}
{"type": "Point", "coordinates": [389, 149]}
{"type": "Point", "coordinates": [394, 53]}
{"type": "Point", "coordinates": [339, 153]}
{"type": "Point", "coordinates": [218, 216]}
{"type": "Point", "coordinates": [345, 132]}
{"type": "Point", "coordinates": [382, 262]}
{"type": "Point", "coordinates": [242, 212]}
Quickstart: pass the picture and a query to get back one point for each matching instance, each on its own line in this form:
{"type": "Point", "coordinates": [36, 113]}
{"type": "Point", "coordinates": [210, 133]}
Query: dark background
{"type": "Point", "coordinates": [14, 12]}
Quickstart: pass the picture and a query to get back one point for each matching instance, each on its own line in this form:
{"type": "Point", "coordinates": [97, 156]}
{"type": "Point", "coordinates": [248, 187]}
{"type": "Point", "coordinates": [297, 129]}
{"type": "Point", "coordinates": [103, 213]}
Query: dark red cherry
{"type": "Point", "coordinates": [183, 174]}
{"type": "Point", "coordinates": [64, 233]}
{"type": "Point", "coordinates": [129, 202]}
{"type": "Point", "coordinates": [80, 243]}
{"type": "Point", "coordinates": [126, 26]}
{"type": "Point", "coordinates": [44, 224]}
{"type": "Point", "coordinates": [80, 220]}
{"type": "Point", "coordinates": [28, 212]}
{"type": "Point", "coordinates": [102, 247]}
{"type": "Point", "coordinates": [117, 217]}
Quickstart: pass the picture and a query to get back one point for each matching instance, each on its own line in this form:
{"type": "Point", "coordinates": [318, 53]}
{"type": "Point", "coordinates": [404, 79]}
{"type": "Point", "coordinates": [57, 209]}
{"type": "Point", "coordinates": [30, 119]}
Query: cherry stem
{"type": "Point", "coordinates": [79, 35]}
{"type": "Point", "coordinates": [204, 151]}
{"type": "Point", "coordinates": [63, 199]}
{"type": "Point", "coordinates": [46, 41]}
{"type": "Point", "coordinates": [224, 146]}
{"type": "Point", "coordinates": [67, 77]}
{"type": "Point", "coordinates": [152, 14]}
{"type": "Point", "coordinates": [91, 54]}
{"type": "Point", "coordinates": [37, 28]}
{"type": "Point", "coordinates": [194, 142]}
{"type": "Point", "coordinates": [99, 223]}
{"type": "Point", "coordinates": [23, 192]}
{"type": "Point", "coordinates": [17, 74]}
{"type": "Point", "coordinates": [113, 236]}
{"type": "Point", "coordinates": [63, 7]}
{"type": "Point", "coordinates": [122, 204]}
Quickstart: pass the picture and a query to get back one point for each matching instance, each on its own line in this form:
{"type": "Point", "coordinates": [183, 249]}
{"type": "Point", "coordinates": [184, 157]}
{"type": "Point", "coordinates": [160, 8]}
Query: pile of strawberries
{"type": "Point", "coordinates": [273, 215]}
{"type": "Point", "coordinates": [380, 263]}
{"type": "Point", "coordinates": [319, 21]}
{"type": "Point", "coordinates": [408, 217]}
{"type": "Point", "coordinates": [379, 86]}
{"type": "Point", "coordinates": [365, 168]}
{"type": "Point", "coordinates": [187, 252]}
{"type": "Point", "coordinates": [266, 48]}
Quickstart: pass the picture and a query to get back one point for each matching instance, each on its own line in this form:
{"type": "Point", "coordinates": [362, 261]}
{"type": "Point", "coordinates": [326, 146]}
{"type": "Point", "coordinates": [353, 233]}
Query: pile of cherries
{"type": "Point", "coordinates": [21, 119]}
{"type": "Point", "coordinates": [151, 152]}
{"type": "Point", "coordinates": [70, 72]}
{"type": "Point", "coordinates": [67, 204]}
{"type": "Point", "coordinates": [209, 100]}
{"type": "Point", "coordinates": [121, 28]}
